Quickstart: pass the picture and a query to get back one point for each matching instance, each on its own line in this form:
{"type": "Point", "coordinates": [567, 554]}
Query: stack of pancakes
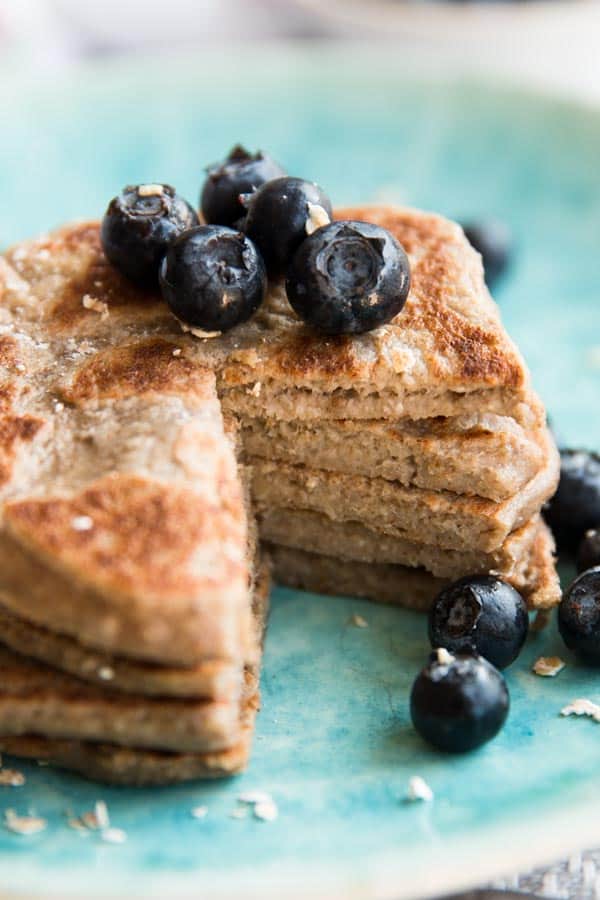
{"type": "Point", "coordinates": [388, 463]}
{"type": "Point", "coordinates": [132, 596]}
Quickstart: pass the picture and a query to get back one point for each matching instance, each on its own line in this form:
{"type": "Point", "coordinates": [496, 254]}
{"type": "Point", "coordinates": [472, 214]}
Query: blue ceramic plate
{"type": "Point", "coordinates": [334, 744]}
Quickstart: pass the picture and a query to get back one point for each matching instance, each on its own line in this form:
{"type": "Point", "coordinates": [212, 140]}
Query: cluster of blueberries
{"type": "Point", "coordinates": [343, 277]}
{"type": "Point", "coordinates": [460, 700]}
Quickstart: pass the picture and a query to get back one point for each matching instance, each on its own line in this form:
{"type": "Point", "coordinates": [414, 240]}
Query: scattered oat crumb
{"type": "Point", "coordinates": [358, 621]}
{"type": "Point", "coordinates": [114, 836]}
{"type": "Point", "coordinates": [255, 391]}
{"type": "Point", "coordinates": [20, 367]}
{"type": "Point", "coordinates": [548, 666]}
{"type": "Point", "coordinates": [240, 812]}
{"type": "Point", "coordinates": [317, 217]}
{"type": "Point", "coordinates": [177, 351]}
{"type": "Point", "coordinates": [96, 305]}
{"type": "Point", "coordinates": [199, 812]}
{"type": "Point", "coordinates": [582, 707]}
{"type": "Point", "coordinates": [11, 778]}
{"type": "Point", "coordinates": [266, 811]}
{"type": "Point", "coordinates": [58, 406]}
{"type": "Point", "coordinates": [150, 190]}
{"type": "Point", "coordinates": [106, 673]}
{"type": "Point", "coordinates": [82, 523]}
{"type": "Point", "coordinates": [418, 790]}
{"type": "Point", "coordinates": [197, 332]}
{"type": "Point", "coordinates": [23, 824]}
{"type": "Point", "coordinates": [444, 657]}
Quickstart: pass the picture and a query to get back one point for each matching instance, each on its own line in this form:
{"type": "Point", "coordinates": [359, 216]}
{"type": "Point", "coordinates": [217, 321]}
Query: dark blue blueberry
{"type": "Point", "coordinates": [579, 616]}
{"type": "Point", "coordinates": [240, 173]}
{"type": "Point", "coordinates": [494, 241]}
{"type": "Point", "coordinates": [213, 278]}
{"type": "Point", "coordinates": [458, 703]}
{"type": "Point", "coordinates": [278, 214]}
{"type": "Point", "coordinates": [139, 225]}
{"type": "Point", "coordinates": [575, 508]}
{"type": "Point", "coordinates": [481, 614]}
{"type": "Point", "coordinates": [588, 552]}
{"type": "Point", "coordinates": [348, 277]}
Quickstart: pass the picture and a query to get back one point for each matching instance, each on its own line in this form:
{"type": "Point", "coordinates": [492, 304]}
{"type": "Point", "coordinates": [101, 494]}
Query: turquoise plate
{"type": "Point", "coordinates": [334, 745]}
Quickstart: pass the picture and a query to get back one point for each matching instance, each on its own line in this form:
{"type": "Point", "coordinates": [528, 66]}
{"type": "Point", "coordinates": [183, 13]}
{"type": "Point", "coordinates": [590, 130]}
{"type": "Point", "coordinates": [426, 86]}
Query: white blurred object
{"type": "Point", "coordinates": [30, 29]}
{"type": "Point", "coordinates": [124, 24]}
{"type": "Point", "coordinates": [548, 43]}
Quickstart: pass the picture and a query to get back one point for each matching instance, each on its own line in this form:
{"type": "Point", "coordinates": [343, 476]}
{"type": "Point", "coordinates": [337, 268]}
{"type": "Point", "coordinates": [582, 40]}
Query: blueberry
{"type": "Point", "coordinates": [240, 173]}
{"type": "Point", "coordinates": [278, 214]}
{"type": "Point", "coordinates": [139, 225]}
{"type": "Point", "coordinates": [458, 703]}
{"type": "Point", "coordinates": [579, 616]}
{"type": "Point", "coordinates": [348, 277]}
{"type": "Point", "coordinates": [483, 614]}
{"type": "Point", "coordinates": [213, 278]}
{"type": "Point", "coordinates": [588, 552]}
{"type": "Point", "coordinates": [494, 241]}
{"type": "Point", "coordinates": [575, 508]}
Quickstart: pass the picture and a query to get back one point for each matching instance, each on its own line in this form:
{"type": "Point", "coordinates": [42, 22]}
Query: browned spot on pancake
{"type": "Point", "coordinates": [308, 354]}
{"type": "Point", "coordinates": [145, 538]}
{"type": "Point", "coordinates": [7, 395]}
{"type": "Point", "coordinates": [94, 277]}
{"type": "Point", "coordinates": [415, 231]}
{"type": "Point", "coordinates": [9, 347]}
{"type": "Point", "coordinates": [84, 234]}
{"type": "Point", "coordinates": [146, 367]}
{"type": "Point", "coordinates": [13, 431]}
{"type": "Point", "coordinates": [476, 355]}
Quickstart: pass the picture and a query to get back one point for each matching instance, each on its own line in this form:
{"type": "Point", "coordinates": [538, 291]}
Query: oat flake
{"type": "Point", "coordinates": [548, 666]}
{"type": "Point", "coordinates": [11, 778]}
{"type": "Point", "coordinates": [582, 707]}
{"type": "Point", "coordinates": [25, 825]}
{"type": "Point", "coordinates": [418, 790]}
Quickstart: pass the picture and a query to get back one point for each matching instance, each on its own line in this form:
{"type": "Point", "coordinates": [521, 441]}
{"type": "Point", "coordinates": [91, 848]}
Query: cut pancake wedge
{"type": "Point", "coordinates": [133, 766]}
{"type": "Point", "coordinates": [215, 679]}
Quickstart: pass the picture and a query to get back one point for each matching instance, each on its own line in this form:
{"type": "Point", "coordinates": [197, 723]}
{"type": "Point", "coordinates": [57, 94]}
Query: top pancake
{"type": "Point", "coordinates": [444, 354]}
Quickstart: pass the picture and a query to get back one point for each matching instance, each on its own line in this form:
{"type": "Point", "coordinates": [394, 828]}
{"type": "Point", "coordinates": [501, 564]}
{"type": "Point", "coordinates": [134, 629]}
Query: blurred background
{"type": "Point", "coordinates": [551, 42]}
{"type": "Point", "coordinates": [480, 110]}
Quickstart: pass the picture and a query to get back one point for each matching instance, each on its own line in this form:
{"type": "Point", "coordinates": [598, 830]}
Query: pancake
{"type": "Point", "coordinates": [439, 518]}
{"type": "Point", "coordinates": [113, 764]}
{"type": "Point", "coordinates": [415, 589]}
{"type": "Point", "coordinates": [316, 533]}
{"type": "Point", "coordinates": [481, 455]}
{"type": "Point", "coordinates": [445, 354]}
{"type": "Point", "coordinates": [37, 699]}
{"type": "Point", "coordinates": [210, 679]}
